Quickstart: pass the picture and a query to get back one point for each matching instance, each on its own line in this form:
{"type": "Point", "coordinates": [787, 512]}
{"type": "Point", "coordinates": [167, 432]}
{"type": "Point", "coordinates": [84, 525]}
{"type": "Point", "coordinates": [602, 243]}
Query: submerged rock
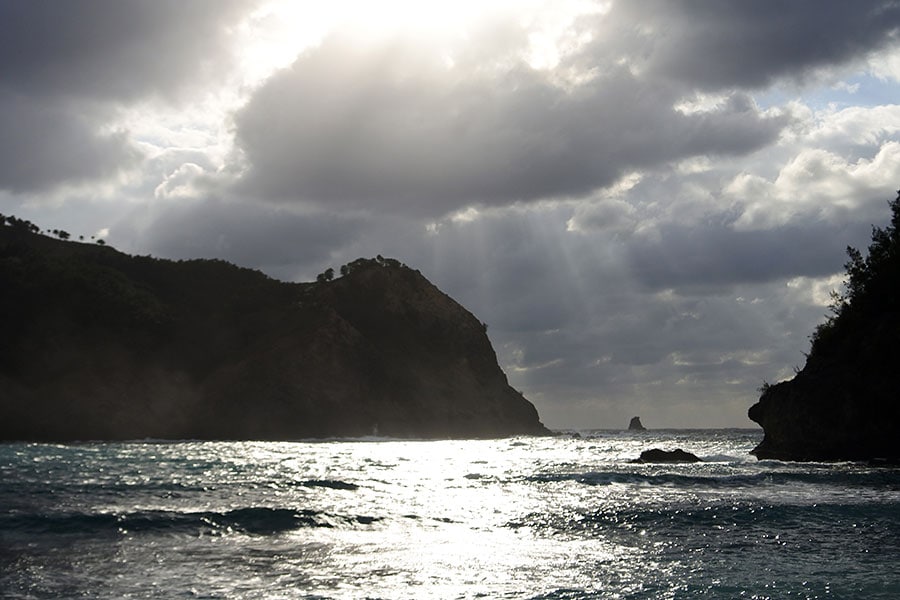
{"type": "Point", "coordinates": [635, 425]}
{"type": "Point", "coordinates": [655, 455]}
{"type": "Point", "coordinates": [110, 346]}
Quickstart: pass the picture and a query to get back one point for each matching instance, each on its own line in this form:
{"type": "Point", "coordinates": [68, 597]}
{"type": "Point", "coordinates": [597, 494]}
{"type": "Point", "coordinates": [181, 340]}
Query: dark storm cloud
{"type": "Point", "coordinates": [110, 49]}
{"type": "Point", "coordinates": [391, 126]}
{"type": "Point", "coordinates": [715, 44]}
{"type": "Point", "coordinates": [66, 67]}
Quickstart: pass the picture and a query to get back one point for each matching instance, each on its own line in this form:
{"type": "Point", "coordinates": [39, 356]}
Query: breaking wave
{"type": "Point", "coordinates": [257, 520]}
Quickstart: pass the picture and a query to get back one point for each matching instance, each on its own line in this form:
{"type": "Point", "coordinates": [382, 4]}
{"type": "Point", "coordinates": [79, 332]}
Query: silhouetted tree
{"type": "Point", "coordinates": [22, 224]}
{"type": "Point", "coordinates": [872, 281]}
{"type": "Point", "coordinates": [325, 276]}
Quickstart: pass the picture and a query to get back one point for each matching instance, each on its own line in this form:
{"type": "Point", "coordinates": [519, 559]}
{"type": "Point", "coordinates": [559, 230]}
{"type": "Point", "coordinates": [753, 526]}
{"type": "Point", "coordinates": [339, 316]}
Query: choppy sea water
{"type": "Point", "coordinates": [558, 517]}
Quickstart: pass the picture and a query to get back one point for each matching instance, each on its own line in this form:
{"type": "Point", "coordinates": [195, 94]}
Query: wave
{"type": "Point", "coordinates": [845, 478]}
{"type": "Point", "coordinates": [881, 521]}
{"type": "Point", "coordinates": [729, 458]}
{"type": "Point", "coordinates": [334, 484]}
{"type": "Point", "coordinates": [255, 520]}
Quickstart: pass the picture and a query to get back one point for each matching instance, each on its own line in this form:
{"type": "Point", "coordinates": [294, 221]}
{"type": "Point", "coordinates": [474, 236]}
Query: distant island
{"type": "Point", "coordinates": [844, 404]}
{"type": "Point", "coordinates": [99, 345]}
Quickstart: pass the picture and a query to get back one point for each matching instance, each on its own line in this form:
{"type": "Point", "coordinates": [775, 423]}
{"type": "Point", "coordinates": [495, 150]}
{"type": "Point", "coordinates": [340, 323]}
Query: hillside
{"type": "Point", "coordinates": [845, 402]}
{"type": "Point", "coordinates": [102, 345]}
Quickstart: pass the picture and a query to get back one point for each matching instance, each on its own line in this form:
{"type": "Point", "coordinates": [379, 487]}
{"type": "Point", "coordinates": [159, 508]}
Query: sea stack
{"type": "Point", "coordinates": [636, 425]}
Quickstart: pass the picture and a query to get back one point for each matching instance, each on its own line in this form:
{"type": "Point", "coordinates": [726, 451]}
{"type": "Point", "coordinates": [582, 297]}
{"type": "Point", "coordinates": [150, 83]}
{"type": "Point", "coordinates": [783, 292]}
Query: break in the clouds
{"type": "Point", "coordinates": [647, 202]}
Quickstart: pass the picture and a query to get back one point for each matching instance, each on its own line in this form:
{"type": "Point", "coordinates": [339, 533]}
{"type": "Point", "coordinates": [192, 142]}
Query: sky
{"type": "Point", "coordinates": [648, 202]}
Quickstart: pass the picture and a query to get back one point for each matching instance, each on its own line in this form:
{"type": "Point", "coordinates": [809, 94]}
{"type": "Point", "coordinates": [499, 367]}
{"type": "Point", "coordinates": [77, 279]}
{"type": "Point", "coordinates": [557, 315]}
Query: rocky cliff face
{"type": "Point", "coordinates": [843, 406]}
{"type": "Point", "coordinates": [100, 345]}
{"type": "Point", "coordinates": [845, 403]}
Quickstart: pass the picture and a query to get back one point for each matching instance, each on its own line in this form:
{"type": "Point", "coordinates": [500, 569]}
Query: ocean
{"type": "Point", "coordinates": [539, 518]}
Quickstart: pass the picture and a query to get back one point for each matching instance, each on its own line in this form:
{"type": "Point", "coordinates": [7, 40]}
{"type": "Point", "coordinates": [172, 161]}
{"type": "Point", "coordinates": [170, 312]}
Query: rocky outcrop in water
{"type": "Point", "coordinates": [101, 345]}
{"type": "Point", "coordinates": [843, 404]}
{"type": "Point", "coordinates": [636, 425]}
{"type": "Point", "coordinates": [656, 455]}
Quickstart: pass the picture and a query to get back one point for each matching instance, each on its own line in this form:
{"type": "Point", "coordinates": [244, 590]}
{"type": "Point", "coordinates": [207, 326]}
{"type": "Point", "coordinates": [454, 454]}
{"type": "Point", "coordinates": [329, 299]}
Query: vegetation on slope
{"type": "Point", "coordinates": [101, 345]}
{"type": "Point", "coordinates": [845, 402]}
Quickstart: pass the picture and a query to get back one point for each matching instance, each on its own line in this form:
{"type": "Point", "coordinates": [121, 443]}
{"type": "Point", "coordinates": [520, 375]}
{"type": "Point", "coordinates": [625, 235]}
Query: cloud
{"type": "Point", "coordinates": [856, 127]}
{"type": "Point", "coordinates": [66, 69]}
{"type": "Point", "coordinates": [750, 45]}
{"type": "Point", "coordinates": [182, 182]}
{"type": "Point", "coordinates": [280, 241]}
{"type": "Point", "coordinates": [607, 215]}
{"type": "Point", "coordinates": [716, 255]}
{"type": "Point", "coordinates": [46, 143]}
{"type": "Point", "coordinates": [392, 125]}
{"type": "Point", "coordinates": [430, 128]}
{"type": "Point", "coordinates": [817, 185]}
{"type": "Point", "coordinates": [107, 49]}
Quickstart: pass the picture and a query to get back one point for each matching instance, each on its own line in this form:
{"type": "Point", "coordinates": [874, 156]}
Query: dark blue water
{"type": "Point", "coordinates": [515, 518]}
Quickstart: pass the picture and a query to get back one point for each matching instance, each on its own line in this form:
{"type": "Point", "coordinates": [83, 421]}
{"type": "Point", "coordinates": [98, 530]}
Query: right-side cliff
{"type": "Point", "coordinates": [845, 402]}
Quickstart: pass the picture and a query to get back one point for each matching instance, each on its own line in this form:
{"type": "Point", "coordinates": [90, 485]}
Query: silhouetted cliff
{"type": "Point", "coordinates": [845, 402]}
{"type": "Point", "coordinates": [101, 345]}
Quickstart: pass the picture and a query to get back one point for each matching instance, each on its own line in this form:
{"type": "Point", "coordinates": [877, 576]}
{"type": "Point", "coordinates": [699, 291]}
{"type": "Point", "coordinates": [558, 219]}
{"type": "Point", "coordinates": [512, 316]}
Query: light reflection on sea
{"type": "Point", "coordinates": [561, 517]}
